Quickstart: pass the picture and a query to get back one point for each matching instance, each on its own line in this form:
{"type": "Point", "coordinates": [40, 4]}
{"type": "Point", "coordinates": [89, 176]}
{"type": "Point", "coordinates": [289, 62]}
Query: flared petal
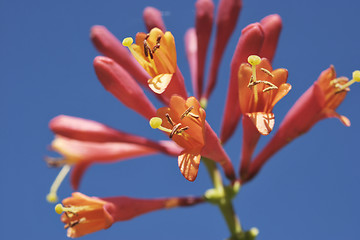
{"type": "Point", "coordinates": [189, 165]}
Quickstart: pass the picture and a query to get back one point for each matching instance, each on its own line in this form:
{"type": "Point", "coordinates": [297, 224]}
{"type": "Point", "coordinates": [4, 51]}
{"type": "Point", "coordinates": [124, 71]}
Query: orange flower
{"type": "Point", "coordinates": [318, 102]}
{"type": "Point", "coordinates": [260, 88]}
{"type": "Point", "coordinates": [84, 215]}
{"type": "Point", "coordinates": [156, 53]}
{"type": "Point", "coordinates": [184, 122]}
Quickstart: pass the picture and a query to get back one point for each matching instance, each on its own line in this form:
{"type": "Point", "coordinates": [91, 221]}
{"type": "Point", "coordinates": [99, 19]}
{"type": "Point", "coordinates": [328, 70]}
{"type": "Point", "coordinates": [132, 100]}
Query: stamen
{"type": "Point", "coordinates": [174, 130]}
{"type": "Point", "coordinates": [181, 130]}
{"type": "Point", "coordinates": [356, 78]}
{"type": "Point", "coordinates": [187, 111]}
{"type": "Point", "coordinates": [156, 122]}
{"type": "Point", "coordinates": [169, 119]}
{"type": "Point", "coordinates": [157, 44]}
{"type": "Point", "coordinates": [55, 162]}
{"type": "Point", "coordinates": [59, 209]}
{"type": "Point", "coordinates": [267, 72]}
{"type": "Point", "coordinates": [52, 196]}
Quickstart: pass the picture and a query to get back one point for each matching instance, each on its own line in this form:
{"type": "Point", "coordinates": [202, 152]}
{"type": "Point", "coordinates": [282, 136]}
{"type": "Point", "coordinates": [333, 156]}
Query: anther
{"type": "Point", "coordinates": [174, 130]}
{"type": "Point", "coordinates": [72, 224]}
{"type": "Point", "coordinates": [267, 72]}
{"type": "Point", "coordinates": [169, 119]}
{"type": "Point", "coordinates": [157, 44]}
{"type": "Point", "coordinates": [187, 111]}
{"type": "Point", "coordinates": [181, 130]}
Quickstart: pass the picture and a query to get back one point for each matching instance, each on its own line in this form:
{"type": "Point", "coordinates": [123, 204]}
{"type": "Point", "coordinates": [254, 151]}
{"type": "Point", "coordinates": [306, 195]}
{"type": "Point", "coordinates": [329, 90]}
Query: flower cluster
{"type": "Point", "coordinates": [150, 63]}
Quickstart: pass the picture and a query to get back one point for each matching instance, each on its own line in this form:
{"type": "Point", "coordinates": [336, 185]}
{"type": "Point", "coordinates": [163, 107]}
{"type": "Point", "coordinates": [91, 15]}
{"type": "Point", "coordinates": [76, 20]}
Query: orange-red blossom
{"type": "Point", "coordinates": [184, 122]}
{"type": "Point", "coordinates": [260, 88]}
{"type": "Point", "coordinates": [84, 215]}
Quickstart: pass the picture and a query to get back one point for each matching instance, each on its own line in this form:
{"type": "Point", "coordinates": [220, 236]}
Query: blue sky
{"type": "Point", "coordinates": [307, 191]}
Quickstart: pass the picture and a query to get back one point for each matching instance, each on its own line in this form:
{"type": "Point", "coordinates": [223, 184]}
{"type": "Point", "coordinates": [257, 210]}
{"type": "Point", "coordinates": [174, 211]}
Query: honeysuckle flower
{"type": "Point", "coordinates": [184, 122]}
{"type": "Point", "coordinates": [271, 26]}
{"type": "Point", "coordinates": [152, 19]}
{"type": "Point", "coordinates": [106, 43]}
{"type": "Point", "coordinates": [118, 81]}
{"type": "Point", "coordinates": [156, 53]}
{"type": "Point", "coordinates": [83, 215]}
{"type": "Point", "coordinates": [250, 42]}
{"type": "Point", "coordinates": [92, 131]}
{"type": "Point", "coordinates": [81, 154]}
{"type": "Point", "coordinates": [203, 25]}
{"type": "Point", "coordinates": [226, 19]}
{"type": "Point", "coordinates": [318, 102]}
{"type": "Point", "coordinates": [260, 88]}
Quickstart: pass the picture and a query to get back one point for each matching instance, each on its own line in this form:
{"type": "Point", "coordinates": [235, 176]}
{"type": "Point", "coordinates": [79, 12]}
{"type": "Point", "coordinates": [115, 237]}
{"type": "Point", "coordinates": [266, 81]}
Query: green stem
{"type": "Point", "coordinates": [224, 203]}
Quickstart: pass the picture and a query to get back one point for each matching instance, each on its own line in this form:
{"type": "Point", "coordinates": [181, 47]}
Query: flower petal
{"type": "Point", "coordinates": [189, 165]}
{"type": "Point", "coordinates": [264, 122]}
{"type": "Point", "coordinates": [160, 82]}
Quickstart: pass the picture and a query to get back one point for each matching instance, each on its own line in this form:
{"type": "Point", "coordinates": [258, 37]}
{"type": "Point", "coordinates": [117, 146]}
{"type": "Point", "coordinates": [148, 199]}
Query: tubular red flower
{"type": "Point", "coordinates": [226, 19]}
{"type": "Point", "coordinates": [118, 82]}
{"type": "Point", "coordinates": [83, 215]}
{"type": "Point", "coordinates": [191, 54]}
{"type": "Point", "coordinates": [272, 26]}
{"type": "Point", "coordinates": [203, 26]}
{"type": "Point", "coordinates": [250, 42]}
{"type": "Point", "coordinates": [106, 43]}
{"type": "Point", "coordinates": [81, 154]}
{"type": "Point", "coordinates": [318, 102]}
{"type": "Point", "coordinates": [153, 19]}
{"type": "Point", "coordinates": [92, 131]}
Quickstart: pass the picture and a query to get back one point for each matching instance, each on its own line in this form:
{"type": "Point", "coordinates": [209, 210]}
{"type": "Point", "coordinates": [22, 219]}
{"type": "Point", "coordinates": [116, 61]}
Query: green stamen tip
{"type": "Point", "coordinates": [59, 208]}
{"type": "Point", "coordinates": [155, 122]}
{"type": "Point", "coordinates": [127, 41]}
{"type": "Point", "coordinates": [356, 75]}
{"type": "Point", "coordinates": [254, 60]}
{"type": "Point", "coordinates": [52, 197]}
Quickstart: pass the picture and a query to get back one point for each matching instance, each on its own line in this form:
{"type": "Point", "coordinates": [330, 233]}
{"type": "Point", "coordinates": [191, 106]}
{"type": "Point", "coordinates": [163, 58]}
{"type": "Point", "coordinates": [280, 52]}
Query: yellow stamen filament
{"type": "Point", "coordinates": [254, 60]}
{"type": "Point", "coordinates": [52, 196]}
{"type": "Point", "coordinates": [356, 78]}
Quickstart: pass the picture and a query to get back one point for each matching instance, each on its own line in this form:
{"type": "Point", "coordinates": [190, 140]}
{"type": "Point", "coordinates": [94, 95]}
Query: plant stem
{"type": "Point", "coordinates": [225, 203]}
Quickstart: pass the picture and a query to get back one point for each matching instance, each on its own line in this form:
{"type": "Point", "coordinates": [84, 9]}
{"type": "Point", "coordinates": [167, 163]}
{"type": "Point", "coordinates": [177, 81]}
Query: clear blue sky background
{"type": "Point", "coordinates": [307, 191]}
